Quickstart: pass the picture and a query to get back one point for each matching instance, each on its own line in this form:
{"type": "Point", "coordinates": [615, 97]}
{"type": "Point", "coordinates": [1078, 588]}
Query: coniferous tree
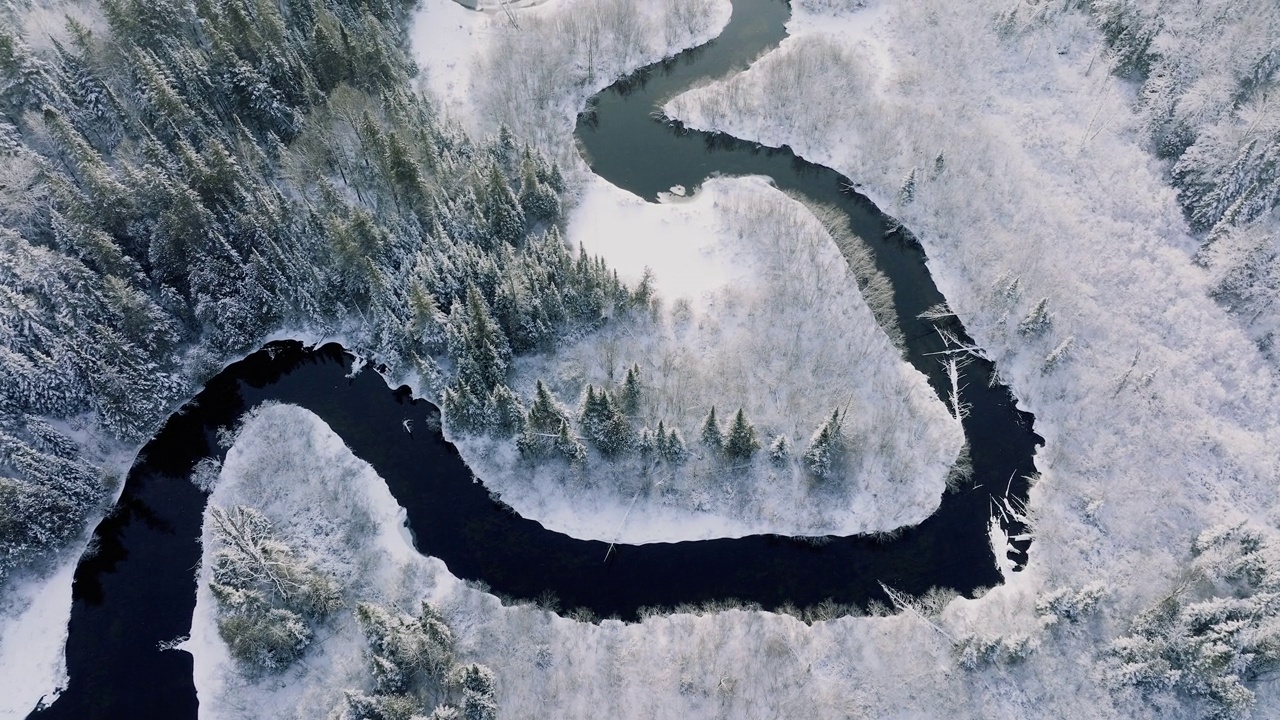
{"type": "Point", "coordinates": [504, 220]}
{"type": "Point", "coordinates": [568, 446]}
{"type": "Point", "coordinates": [1037, 320]}
{"type": "Point", "coordinates": [545, 414]}
{"type": "Point", "coordinates": [603, 422]}
{"type": "Point", "coordinates": [630, 399]}
{"type": "Point", "coordinates": [780, 449]}
{"type": "Point", "coordinates": [670, 445]}
{"type": "Point", "coordinates": [479, 701]}
{"type": "Point", "coordinates": [538, 201]}
{"type": "Point", "coordinates": [711, 434]}
{"type": "Point", "coordinates": [741, 442]}
{"type": "Point", "coordinates": [646, 443]}
{"type": "Point", "coordinates": [825, 447]}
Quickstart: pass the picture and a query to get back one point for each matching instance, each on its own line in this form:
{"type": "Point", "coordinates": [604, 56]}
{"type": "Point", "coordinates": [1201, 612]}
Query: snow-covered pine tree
{"type": "Point", "coordinates": [825, 447]}
{"type": "Point", "coordinates": [504, 220]}
{"type": "Point", "coordinates": [780, 449]}
{"type": "Point", "coordinates": [670, 445]}
{"type": "Point", "coordinates": [545, 414]}
{"type": "Point", "coordinates": [479, 699]}
{"type": "Point", "coordinates": [711, 435]}
{"type": "Point", "coordinates": [603, 422]}
{"type": "Point", "coordinates": [741, 442]}
{"type": "Point", "coordinates": [1037, 320]}
{"type": "Point", "coordinates": [568, 446]}
{"type": "Point", "coordinates": [631, 389]}
{"type": "Point", "coordinates": [907, 192]}
{"type": "Point", "coordinates": [539, 202]}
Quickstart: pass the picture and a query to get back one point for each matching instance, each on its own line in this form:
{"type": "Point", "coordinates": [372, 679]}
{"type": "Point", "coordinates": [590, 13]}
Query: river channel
{"type": "Point", "coordinates": [136, 589]}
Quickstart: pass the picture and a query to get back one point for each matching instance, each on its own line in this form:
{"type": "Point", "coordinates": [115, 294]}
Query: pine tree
{"type": "Point", "coordinates": [646, 443]}
{"type": "Point", "coordinates": [538, 201]}
{"type": "Point", "coordinates": [503, 217]}
{"type": "Point", "coordinates": [907, 192]}
{"type": "Point", "coordinates": [567, 446]}
{"type": "Point", "coordinates": [780, 449]}
{"type": "Point", "coordinates": [741, 443]}
{"type": "Point", "coordinates": [711, 434]}
{"type": "Point", "coordinates": [630, 399]}
{"type": "Point", "coordinates": [508, 412]}
{"type": "Point", "coordinates": [486, 354]}
{"type": "Point", "coordinates": [825, 447]}
{"type": "Point", "coordinates": [545, 414]}
{"type": "Point", "coordinates": [1037, 320]}
{"type": "Point", "coordinates": [670, 445]}
{"type": "Point", "coordinates": [604, 424]}
{"type": "Point", "coordinates": [479, 700]}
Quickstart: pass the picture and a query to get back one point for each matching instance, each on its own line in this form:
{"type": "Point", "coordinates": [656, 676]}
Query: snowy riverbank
{"type": "Point", "coordinates": [335, 511]}
{"type": "Point", "coordinates": [759, 311]}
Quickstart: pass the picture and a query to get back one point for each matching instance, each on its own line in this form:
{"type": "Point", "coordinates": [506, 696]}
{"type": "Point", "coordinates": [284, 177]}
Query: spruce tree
{"type": "Point", "coordinates": [741, 443]}
{"type": "Point", "coordinates": [568, 447]}
{"type": "Point", "coordinates": [825, 447]}
{"type": "Point", "coordinates": [711, 434]}
{"type": "Point", "coordinates": [545, 414]}
{"type": "Point", "coordinates": [630, 399]}
{"type": "Point", "coordinates": [780, 449]}
{"type": "Point", "coordinates": [502, 214]}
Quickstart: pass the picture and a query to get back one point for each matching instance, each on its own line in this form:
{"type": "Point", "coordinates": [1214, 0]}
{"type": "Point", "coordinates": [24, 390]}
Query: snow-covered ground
{"type": "Point", "coordinates": [32, 665]}
{"type": "Point", "coordinates": [1030, 181]}
{"type": "Point", "coordinates": [332, 507]}
{"type": "Point", "coordinates": [760, 311]}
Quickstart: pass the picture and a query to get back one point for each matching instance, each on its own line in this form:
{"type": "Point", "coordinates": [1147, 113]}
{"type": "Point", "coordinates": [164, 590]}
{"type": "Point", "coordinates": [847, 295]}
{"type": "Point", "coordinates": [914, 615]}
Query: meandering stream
{"type": "Point", "coordinates": [137, 588]}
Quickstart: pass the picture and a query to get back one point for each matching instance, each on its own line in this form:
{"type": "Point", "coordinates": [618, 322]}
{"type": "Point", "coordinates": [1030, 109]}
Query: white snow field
{"type": "Point", "coordinates": [760, 311]}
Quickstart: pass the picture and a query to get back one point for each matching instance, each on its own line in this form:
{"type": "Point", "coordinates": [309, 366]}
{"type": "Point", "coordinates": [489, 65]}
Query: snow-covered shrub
{"type": "Point", "coordinates": [260, 637]}
{"type": "Point", "coordinates": [977, 651]}
{"type": "Point", "coordinates": [380, 707]}
{"type": "Point", "coordinates": [833, 6]}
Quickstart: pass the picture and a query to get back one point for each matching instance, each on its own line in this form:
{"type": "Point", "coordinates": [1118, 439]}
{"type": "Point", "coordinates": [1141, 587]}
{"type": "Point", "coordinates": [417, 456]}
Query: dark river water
{"type": "Point", "coordinates": [136, 589]}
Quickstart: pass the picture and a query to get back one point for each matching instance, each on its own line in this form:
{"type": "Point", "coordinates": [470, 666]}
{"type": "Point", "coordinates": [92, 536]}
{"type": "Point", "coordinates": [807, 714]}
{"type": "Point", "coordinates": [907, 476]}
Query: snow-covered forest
{"type": "Point", "coordinates": [1010, 141]}
{"type": "Point", "coordinates": [182, 180]}
{"type": "Point", "coordinates": [1095, 186]}
{"type": "Point", "coordinates": [185, 180]}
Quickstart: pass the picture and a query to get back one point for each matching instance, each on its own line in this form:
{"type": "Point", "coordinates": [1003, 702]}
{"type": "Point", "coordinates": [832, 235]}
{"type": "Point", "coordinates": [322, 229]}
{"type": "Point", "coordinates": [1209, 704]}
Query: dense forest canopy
{"type": "Point", "coordinates": [181, 179]}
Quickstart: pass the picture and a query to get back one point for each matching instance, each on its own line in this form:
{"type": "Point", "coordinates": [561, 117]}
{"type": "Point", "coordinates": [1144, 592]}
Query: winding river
{"type": "Point", "coordinates": [136, 589]}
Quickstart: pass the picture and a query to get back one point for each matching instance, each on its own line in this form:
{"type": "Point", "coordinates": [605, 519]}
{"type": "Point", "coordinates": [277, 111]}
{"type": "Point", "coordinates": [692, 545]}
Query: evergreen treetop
{"type": "Point", "coordinates": [741, 442]}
